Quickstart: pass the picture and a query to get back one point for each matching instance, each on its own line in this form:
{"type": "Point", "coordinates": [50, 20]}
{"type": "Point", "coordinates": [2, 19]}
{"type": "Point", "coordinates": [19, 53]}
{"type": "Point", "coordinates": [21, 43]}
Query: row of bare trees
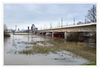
{"type": "Point", "coordinates": [91, 16]}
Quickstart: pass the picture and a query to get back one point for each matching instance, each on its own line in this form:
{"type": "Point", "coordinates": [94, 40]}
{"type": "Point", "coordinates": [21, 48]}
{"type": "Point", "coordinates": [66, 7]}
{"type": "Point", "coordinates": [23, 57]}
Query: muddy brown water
{"type": "Point", "coordinates": [17, 43]}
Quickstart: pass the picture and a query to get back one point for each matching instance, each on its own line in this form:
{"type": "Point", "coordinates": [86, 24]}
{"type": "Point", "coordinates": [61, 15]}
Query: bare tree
{"type": "Point", "coordinates": [92, 14]}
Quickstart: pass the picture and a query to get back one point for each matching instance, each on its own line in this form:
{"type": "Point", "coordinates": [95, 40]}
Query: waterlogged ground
{"type": "Point", "coordinates": [32, 49]}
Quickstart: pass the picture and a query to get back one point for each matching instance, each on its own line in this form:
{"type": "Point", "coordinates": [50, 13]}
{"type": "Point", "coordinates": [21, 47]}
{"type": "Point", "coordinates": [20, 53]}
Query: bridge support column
{"type": "Point", "coordinates": [52, 34]}
{"type": "Point", "coordinates": [65, 35]}
{"type": "Point", "coordinates": [42, 33]}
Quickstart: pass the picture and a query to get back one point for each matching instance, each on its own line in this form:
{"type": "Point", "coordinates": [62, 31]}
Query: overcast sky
{"type": "Point", "coordinates": [42, 15]}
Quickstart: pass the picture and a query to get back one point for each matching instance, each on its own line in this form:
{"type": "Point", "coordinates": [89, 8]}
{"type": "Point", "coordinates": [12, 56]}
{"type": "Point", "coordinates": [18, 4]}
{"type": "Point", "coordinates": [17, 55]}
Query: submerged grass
{"type": "Point", "coordinates": [33, 43]}
{"type": "Point", "coordinates": [91, 64]}
{"type": "Point", "coordinates": [78, 48]}
{"type": "Point", "coordinates": [20, 33]}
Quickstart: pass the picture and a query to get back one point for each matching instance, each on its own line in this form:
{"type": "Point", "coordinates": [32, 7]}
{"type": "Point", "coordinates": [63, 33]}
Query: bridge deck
{"type": "Point", "coordinates": [85, 26]}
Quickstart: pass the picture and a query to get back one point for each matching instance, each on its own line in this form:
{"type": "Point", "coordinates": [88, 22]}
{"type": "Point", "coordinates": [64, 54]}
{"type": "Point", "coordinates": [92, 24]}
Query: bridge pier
{"type": "Point", "coordinates": [65, 35]}
{"type": "Point", "coordinates": [42, 33]}
{"type": "Point", "coordinates": [52, 34]}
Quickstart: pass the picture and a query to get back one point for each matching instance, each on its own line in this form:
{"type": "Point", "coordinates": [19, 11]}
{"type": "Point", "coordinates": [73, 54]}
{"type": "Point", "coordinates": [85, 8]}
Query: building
{"type": "Point", "coordinates": [34, 29]}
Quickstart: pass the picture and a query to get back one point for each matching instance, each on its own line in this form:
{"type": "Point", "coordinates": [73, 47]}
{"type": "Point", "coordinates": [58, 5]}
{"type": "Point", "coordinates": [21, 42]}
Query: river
{"type": "Point", "coordinates": [39, 50]}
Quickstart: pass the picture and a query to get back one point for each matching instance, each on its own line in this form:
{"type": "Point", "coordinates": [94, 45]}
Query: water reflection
{"type": "Point", "coordinates": [13, 41]}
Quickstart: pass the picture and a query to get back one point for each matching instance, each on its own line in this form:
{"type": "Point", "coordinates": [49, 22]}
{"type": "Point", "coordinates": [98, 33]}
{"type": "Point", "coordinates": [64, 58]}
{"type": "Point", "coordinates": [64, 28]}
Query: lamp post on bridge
{"type": "Point", "coordinates": [74, 20]}
{"type": "Point", "coordinates": [61, 22]}
{"type": "Point", "coordinates": [85, 20]}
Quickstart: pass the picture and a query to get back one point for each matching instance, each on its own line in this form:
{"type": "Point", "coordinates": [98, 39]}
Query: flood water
{"type": "Point", "coordinates": [37, 50]}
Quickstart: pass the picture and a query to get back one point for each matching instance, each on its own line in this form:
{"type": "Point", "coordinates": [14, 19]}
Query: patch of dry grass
{"type": "Point", "coordinates": [21, 33]}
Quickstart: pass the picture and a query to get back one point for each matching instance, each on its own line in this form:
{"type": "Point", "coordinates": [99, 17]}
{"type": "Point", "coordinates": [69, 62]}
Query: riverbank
{"type": "Point", "coordinates": [21, 33]}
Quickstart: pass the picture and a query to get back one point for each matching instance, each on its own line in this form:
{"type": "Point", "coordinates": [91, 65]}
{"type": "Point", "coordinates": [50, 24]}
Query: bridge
{"type": "Point", "coordinates": [90, 27]}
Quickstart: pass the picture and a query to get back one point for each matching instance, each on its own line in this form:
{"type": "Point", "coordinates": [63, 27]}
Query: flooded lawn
{"type": "Point", "coordinates": [32, 49]}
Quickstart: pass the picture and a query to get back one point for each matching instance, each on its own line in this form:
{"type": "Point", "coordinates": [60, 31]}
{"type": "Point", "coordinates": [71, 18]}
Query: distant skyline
{"type": "Point", "coordinates": [42, 15]}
